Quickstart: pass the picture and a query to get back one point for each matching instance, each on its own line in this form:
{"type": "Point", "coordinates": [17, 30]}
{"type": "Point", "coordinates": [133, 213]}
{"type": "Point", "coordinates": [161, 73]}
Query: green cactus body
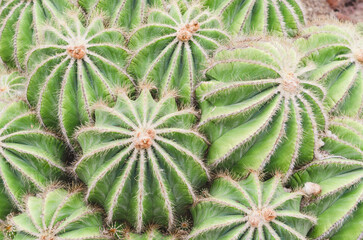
{"type": "Point", "coordinates": [30, 158]}
{"type": "Point", "coordinates": [12, 86]}
{"type": "Point", "coordinates": [334, 190]}
{"type": "Point", "coordinates": [149, 235]}
{"type": "Point", "coordinates": [249, 209]}
{"type": "Point", "coordinates": [173, 48]}
{"type": "Point", "coordinates": [283, 17]}
{"type": "Point", "coordinates": [58, 214]}
{"type": "Point", "coordinates": [337, 50]}
{"type": "Point", "coordinates": [21, 21]}
{"type": "Point", "coordinates": [258, 110]}
{"type": "Point", "coordinates": [142, 161]}
{"type": "Point", "coordinates": [76, 67]}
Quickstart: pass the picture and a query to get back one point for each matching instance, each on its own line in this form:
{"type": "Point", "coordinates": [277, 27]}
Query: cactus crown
{"type": "Point", "coordinates": [11, 87]}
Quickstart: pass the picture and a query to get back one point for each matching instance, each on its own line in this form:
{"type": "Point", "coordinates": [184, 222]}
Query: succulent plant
{"type": "Point", "coordinates": [283, 17]}
{"type": "Point", "coordinates": [249, 209]}
{"type": "Point", "coordinates": [337, 50]}
{"type": "Point", "coordinates": [258, 110]}
{"type": "Point", "coordinates": [151, 234]}
{"type": "Point", "coordinates": [12, 87]}
{"type": "Point", "coordinates": [173, 47]}
{"type": "Point", "coordinates": [20, 26]}
{"type": "Point", "coordinates": [30, 157]}
{"type": "Point", "coordinates": [334, 190]}
{"type": "Point", "coordinates": [142, 160]}
{"type": "Point", "coordinates": [76, 67]}
{"type": "Point", "coordinates": [58, 214]}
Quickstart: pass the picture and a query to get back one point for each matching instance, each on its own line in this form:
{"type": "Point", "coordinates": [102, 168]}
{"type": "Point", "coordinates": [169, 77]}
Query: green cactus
{"type": "Point", "coordinates": [20, 24]}
{"type": "Point", "coordinates": [259, 111]}
{"type": "Point", "coordinates": [30, 158]}
{"type": "Point", "coordinates": [75, 67]}
{"type": "Point", "coordinates": [334, 190]}
{"type": "Point", "coordinates": [142, 160]}
{"type": "Point", "coordinates": [283, 17]}
{"type": "Point", "coordinates": [151, 234]}
{"type": "Point", "coordinates": [249, 209]}
{"type": "Point", "coordinates": [58, 214]}
{"type": "Point", "coordinates": [337, 50]}
{"type": "Point", "coordinates": [173, 47]}
{"type": "Point", "coordinates": [12, 87]}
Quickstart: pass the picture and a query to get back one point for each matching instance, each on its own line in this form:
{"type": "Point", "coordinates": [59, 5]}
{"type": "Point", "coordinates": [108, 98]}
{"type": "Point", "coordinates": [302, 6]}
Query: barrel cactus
{"type": "Point", "coordinates": [20, 26]}
{"type": "Point", "coordinates": [151, 234]}
{"type": "Point", "coordinates": [259, 111]}
{"type": "Point", "coordinates": [142, 160]}
{"type": "Point", "coordinates": [249, 209]}
{"type": "Point", "coordinates": [76, 66]}
{"type": "Point", "coordinates": [337, 50]}
{"type": "Point", "coordinates": [58, 214]}
{"type": "Point", "coordinates": [334, 192]}
{"type": "Point", "coordinates": [173, 47]}
{"type": "Point", "coordinates": [12, 87]}
{"type": "Point", "coordinates": [284, 17]}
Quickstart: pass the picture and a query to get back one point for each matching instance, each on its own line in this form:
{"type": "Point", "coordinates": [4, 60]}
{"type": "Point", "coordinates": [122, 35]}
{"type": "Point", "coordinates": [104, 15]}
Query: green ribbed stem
{"type": "Point", "coordinates": [12, 86]}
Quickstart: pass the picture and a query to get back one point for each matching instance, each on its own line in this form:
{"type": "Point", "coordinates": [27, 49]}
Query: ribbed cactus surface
{"type": "Point", "coordinates": [142, 160]}
{"type": "Point", "coordinates": [282, 17]}
{"type": "Point", "coordinates": [76, 66]}
{"type": "Point", "coordinates": [149, 235]}
{"type": "Point", "coordinates": [258, 109]}
{"type": "Point", "coordinates": [249, 209]}
{"type": "Point", "coordinates": [12, 87]}
{"type": "Point", "coordinates": [173, 47]}
{"type": "Point", "coordinates": [58, 214]}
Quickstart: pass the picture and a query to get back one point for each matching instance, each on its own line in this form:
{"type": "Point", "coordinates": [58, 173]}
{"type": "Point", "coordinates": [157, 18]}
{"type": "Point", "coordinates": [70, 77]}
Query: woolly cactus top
{"type": "Point", "coordinates": [12, 86]}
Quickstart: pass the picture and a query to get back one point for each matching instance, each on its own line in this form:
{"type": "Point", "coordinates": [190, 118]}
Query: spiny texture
{"type": "Point", "coordinates": [282, 17]}
{"type": "Point", "coordinates": [173, 48]}
{"type": "Point", "coordinates": [30, 158]}
{"type": "Point", "coordinates": [249, 209]}
{"type": "Point", "coordinates": [259, 111]}
{"type": "Point", "coordinates": [337, 198]}
{"type": "Point", "coordinates": [75, 67]}
{"type": "Point", "coordinates": [56, 215]}
{"type": "Point", "coordinates": [142, 161]}
{"type": "Point", "coordinates": [338, 51]}
{"type": "Point", "coordinates": [12, 86]}
{"type": "Point", "coordinates": [149, 235]}
{"type": "Point", "coordinates": [21, 23]}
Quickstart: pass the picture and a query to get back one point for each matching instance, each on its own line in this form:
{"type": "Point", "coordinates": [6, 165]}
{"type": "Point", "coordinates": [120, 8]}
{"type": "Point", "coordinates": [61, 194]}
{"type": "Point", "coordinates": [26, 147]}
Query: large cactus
{"type": "Point", "coordinates": [20, 24]}
{"type": "Point", "coordinates": [12, 87]}
{"type": "Point", "coordinates": [282, 17]}
{"type": "Point", "coordinates": [259, 111]}
{"type": "Point", "coordinates": [58, 214]}
{"type": "Point", "coordinates": [30, 158]}
{"type": "Point", "coordinates": [249, 209]}
{"type": "Point", "coordinates": [337, 50]}
{"type": "Point", "coordinates": [142, 161]}
{"type": "Point", "coordinates": [334, 190]}
{"type": "Point", "coordinates": [75, 67]}
{"type": "Point", "coordinates": [173, 48]}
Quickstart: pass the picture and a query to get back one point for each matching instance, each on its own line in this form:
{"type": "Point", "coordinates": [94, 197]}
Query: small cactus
{"type": "Point", "coordinates": [173, 47]}
{"type": "Point", "coordinates": [142, 161]}
{"type": "Point", "coordinates": [249, 209]}
{"type": "Point", "coordinates": [75, 67]}
{"type": "Point", "coordinates": [282, 17]}
{"type": "Point", "coordinates": [259, 111]}
{"type": "Point", "coordinates": [12, 87]}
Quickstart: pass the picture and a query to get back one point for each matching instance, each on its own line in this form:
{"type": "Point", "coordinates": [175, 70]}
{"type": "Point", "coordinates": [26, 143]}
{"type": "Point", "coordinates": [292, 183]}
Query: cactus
{"type": "Point", "coordinates": [249, 209]}
{"type": "Point", "coordinates": [21, 21]}
{"type": "Point", "coordinates": [337, 50]}
{"type": "Point", "coordinates": [337, 198]}
{"type": "Point", "coordinates": [30, 158]}
{"type": "Point", "coordinates": [142, 160]}
{"type": "Point", "coordinates": [12, 86]}
{"type": "Point", "coordinates": [259, 111]}
{"type": "Point", "coordinates": [284, 17]}
{"type": "Point", "coordinates": [58, 214]}
{"type": "Point", "coordinates": [172, 49]}
{"type": "Point", "coordinates": [75, 67]}
{"type": "Point", "coordinates": [151, 234]}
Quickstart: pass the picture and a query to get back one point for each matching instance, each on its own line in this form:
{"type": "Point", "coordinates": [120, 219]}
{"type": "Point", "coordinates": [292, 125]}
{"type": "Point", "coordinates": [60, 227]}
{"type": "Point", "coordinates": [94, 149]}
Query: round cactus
{"type": "Point", "coordinates": [58, 214]}
{"type": "Point", "coordinates": [21, 21]}
{"type": "Point", "coordinates": [142, 160]}
{"type": "Point", "coordinates": [12, 86]}
{"type": "Point", "coordinates": [283, 17]}
{"type": "Point", "coordinates": [241, 210]}
{"type": "Point", "coordinates": [334, 192]}
{"type": "Point", "coordinates": [75, 67]}
{"type": "Point", "coordinates": [151, 234]}
{"type": "Point", "coordinates": [337, 50]}
{"type": "Point", "coordinates": [30, 158]}
{"type": "Point", "coordinates": [173, 48]}
{"type": "Point", "coordinates": [259, 111]}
